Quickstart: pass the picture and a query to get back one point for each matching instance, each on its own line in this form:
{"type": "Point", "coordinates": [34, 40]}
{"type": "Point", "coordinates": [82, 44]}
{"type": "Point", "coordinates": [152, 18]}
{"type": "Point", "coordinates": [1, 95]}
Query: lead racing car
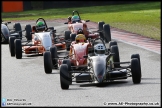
{"type": "Point", "coordinates": [75, 22]}
{"type": "Point", "coordinates": [103, 65]}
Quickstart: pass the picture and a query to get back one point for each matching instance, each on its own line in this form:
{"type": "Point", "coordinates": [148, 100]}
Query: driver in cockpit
{"type": "Point", "coordinates": [73, 19]}
{"type": "Point", "coordinates": [40, 27]}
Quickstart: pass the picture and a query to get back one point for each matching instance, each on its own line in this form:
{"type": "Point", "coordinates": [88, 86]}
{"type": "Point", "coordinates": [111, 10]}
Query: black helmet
{"type": "Point", "coordinates": [80, 31]}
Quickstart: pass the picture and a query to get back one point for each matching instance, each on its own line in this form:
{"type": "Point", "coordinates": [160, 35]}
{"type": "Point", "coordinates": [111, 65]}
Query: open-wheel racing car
{"type": "Point", "coordinates": [78, 48]}
{"type": "Point", "coordinates": [39, 39]}
{"type": "Point", "coordinates": [6, 32]}
{"type": "Point", "coordinates": [75, 22]}
{"type": "Point", "coordinates": [103, 65]}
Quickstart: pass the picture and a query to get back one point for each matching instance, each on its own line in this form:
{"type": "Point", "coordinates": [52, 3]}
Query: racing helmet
{"type": "Point", "coordinates": [99, 49]}
{"type": "Point", "coordinates": [80, 38]}
{"type": "Point", "coordinates": [80, 31]}
{"type": "Point", "coordinates": [75, 18]}
{"type": "Point", "coordinates": [40, 26]}
{"type": "Point", "coordinates": [69, 18]}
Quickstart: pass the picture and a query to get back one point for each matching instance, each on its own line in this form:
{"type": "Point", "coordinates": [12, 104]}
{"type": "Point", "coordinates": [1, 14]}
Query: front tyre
{"type": "Point", "coordinates": [136, 72]}
{"type": "Point", "coordinates": [67, 61]}
{"type": "Point", "coordinates": [138, 57]}
{"type": "Point", "coordinates": [18, 49]}
{"type": "Point", "coordinates": [64, 76]}
{"type": "Point", "coordinates": [47, 62]}
{"type": "Point", "coordinates": [12, 46]}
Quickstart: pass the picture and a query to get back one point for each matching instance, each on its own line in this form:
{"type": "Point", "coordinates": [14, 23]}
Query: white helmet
{"type": "Point", "coordinates": [99, 49]}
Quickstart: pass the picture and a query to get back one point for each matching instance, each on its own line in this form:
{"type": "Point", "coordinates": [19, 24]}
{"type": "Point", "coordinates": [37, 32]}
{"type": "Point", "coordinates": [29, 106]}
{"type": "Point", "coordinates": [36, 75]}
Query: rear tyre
{"type": "Point", "coordinates": [136, 72]}
{"type": "Point", "coordinates": [47, 62]}
{"type": "Point", "coordinates": [100, 28]}
{"type": "Point", "coordinates": [54, 55]}
{"type": "Point", "coordinates": [67, 61]}
{"type": "Point", "coordinates": [67, 35]}
{"type": "Point", "coordinates": [17, 28]}
{"type": "Point", "coordinates": [114, 49]}
{"type": "Point", "coordinates": [28, 31]}
{"type": "Point", "coordinates": [111, 43]}
{"type": "Point", "coordinates": [12, 46]}
{"type": "Point", "coordinates": [64, 76]}
{"type": "Point", "coordinates": [72, 36]}
{"type": "Point", "coordinates": [67, 38]}
{"type": "Point", "coordinates": [107, 33]}
{"type": "Point", "coordinates": [91, 51]}
{"type": "Point", "coordinates": [18, 48]}
{"type": "Point", "coordinates": [100, 25]}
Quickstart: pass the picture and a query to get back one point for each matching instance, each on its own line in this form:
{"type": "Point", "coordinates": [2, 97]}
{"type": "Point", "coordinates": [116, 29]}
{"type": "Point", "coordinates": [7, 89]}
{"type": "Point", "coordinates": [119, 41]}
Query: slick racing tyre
{"type": "Point", "coordinates": [54, 55]}
{"type": "Point", "coordinates": [100, 28]}
{"type": "Point", "coordinates": [28, 31]}
{"type": "Point", "coordinates": [135, 70]}
{"type": "Point", "coordinates": [138, 57]}
{"type": "Point", "coordinates": [18, 49]}
{"type": "Point", "coordinates": [111, 43]}
{"type": "Point", "coordinates": [72, 37]}
{"type": "Point", "coordinates": [18, 29]}
{"type": "Point", "coordinates": [64, 76]}
{"type": "Point", "coordinates": [11, 45]}
{"type": "Point", "coordinates": [107, 33]}
{"type": "Point", "coordinates": [67, 39]}
{"type": "Point", "coordinates": [114, 49]}
{"type": "Point", "coordinates": [100, 25]}
{"type": "Point", "coordinates": [67, 35]}
{"type": "Point", "coordinates": [47, 62]}
{"type": "Point", "coordinates": [66, 61]}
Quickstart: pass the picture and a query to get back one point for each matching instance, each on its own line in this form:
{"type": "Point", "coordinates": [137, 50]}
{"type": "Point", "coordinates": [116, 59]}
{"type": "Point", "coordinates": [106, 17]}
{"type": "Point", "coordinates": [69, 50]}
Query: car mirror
{"type": "Point", "coordinates": [52, 28]}
{"type": "Point", "coordinates": [106, 53]}
{"type": "Point", "coordinates": [112, 54]}
{"type": "Point", "coordinates": [54, 31]}
{"type": "Point", "coordinates": [87, 20]}
{"type": "Point", "coordinates": [31, 32]}
{"type": "Point", "coordinates": [85, 56]}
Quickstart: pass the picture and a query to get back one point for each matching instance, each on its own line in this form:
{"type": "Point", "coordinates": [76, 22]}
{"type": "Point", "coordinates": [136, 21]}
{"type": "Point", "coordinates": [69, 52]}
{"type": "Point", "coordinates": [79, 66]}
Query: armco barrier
{"type": "Point", "coordinates": [12, 6]}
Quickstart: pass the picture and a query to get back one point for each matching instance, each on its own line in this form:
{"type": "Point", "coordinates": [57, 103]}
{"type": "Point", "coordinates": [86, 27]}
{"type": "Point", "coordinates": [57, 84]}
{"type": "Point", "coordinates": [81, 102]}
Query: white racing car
{"type": "Point", "coordinates": [103, 66]}
{"type": "Point", "coordinates": [39, 39]}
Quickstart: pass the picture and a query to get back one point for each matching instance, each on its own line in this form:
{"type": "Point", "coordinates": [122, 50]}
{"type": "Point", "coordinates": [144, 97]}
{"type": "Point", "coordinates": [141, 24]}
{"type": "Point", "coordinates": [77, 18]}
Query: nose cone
{"type": "Point", "coordinates": [47, 48]}
{"type": "Point", "coordinates": [99, 67]}
{"type": "Point", "coordinates": [99, 71]}
{"type": "Point", "coordinates": [100, 75]}
{"type": "Point", "coordinates": [47, 43]}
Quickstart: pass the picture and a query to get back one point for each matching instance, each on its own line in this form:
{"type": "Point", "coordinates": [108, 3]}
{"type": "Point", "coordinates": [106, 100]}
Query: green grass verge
{"type": "Point", "coordinates": [140, 18]}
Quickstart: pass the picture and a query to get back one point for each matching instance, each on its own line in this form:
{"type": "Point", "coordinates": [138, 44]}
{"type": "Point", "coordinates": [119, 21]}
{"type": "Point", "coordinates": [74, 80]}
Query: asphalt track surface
{"type": "Point", "coordinates": [24, 82]}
